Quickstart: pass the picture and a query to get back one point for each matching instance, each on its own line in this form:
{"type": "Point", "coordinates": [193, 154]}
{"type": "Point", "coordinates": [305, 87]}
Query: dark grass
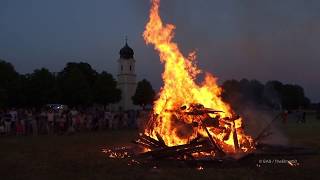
{"type": "Point", "coordinates": [79, 157]}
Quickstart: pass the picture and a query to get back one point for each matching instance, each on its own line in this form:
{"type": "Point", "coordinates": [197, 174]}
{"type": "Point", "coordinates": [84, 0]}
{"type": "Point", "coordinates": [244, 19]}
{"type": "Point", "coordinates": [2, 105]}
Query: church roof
{"type": "Point", "coordinates": [126, 52]}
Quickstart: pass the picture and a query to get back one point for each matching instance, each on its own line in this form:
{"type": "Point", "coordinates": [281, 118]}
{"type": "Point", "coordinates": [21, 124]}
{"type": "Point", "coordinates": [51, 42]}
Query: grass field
{"type": "Point", "coordinates": [79, 157]}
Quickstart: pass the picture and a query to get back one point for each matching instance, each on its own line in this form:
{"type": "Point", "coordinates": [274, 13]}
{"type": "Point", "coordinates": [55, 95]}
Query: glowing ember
{"type": "Point", "coordinates": [200, 168]}
{"type": "Point", "coordinates": [293, 163]}
{"type": "Point", "coordinates": [179, 116]}
{"type": "Point", "coordinates": [133, 162]}
{"type": "Point", "coordinates": [118, 153]}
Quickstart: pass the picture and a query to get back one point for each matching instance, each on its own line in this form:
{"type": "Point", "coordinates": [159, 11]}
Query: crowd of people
{"type": "Point", "coordinates": [61, 121]}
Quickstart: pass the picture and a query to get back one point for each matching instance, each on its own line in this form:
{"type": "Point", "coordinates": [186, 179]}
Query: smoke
{"type": "Point", "coordinates": [272, 95]}
{"type": "Point", "coordinates": [256, 120]}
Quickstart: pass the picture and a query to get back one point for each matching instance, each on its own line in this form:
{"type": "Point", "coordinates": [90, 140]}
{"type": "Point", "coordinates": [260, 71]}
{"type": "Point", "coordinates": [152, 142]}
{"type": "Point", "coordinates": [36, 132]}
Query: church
{"type": "Point", "coordinates": [126, 78]}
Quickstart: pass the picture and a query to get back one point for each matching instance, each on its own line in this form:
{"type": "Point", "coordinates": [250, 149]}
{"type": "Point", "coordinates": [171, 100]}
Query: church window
{"type": "Point", "coordinates": [130, 68]}
{"type": "Point", "coordinates": [121, 68]}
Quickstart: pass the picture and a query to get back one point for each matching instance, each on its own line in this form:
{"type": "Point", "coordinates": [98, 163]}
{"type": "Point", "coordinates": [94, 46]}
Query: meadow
{"type": "Point", "coordinates": [79, 157]}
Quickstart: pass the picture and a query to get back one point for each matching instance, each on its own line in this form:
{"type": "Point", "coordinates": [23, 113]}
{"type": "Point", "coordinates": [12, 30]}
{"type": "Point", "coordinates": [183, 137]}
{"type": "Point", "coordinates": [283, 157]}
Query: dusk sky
{"type": "Point", "coordinates": [263, 40]}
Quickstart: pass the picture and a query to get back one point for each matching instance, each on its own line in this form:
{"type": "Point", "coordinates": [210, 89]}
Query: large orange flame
{"type": "Point", "coordinates": [180, 89]}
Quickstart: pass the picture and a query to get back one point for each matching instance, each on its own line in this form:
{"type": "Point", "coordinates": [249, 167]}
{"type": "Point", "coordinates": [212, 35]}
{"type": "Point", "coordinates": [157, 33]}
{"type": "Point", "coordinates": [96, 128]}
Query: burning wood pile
{"type": "Point", "coordinates": [200, 138]}
{"type": "Point", "coordinates": [189, 120]}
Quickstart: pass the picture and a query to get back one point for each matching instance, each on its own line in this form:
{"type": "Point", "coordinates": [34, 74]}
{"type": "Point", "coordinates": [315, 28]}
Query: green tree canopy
{"type": "Point", "coordinates": [9, 84]}
{"type": "Point", "coordinates": [7, 74]}
{"type": "Point", "coordinates": [273, 94]}
{"type": "Point", "coordinates": [105, 89]}
{"type": "Point", "coordinates": [79, 84]}
{"type": "Point", "coordinates": [41, 87]}
{"type": "Point", "coordinates": [144, 94]}
{"type": "Point", "coordinates": [75, 83]}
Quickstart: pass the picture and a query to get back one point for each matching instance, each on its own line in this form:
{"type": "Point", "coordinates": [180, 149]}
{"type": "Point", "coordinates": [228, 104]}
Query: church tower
{"type": "Point", "coordinates": [126, 77]}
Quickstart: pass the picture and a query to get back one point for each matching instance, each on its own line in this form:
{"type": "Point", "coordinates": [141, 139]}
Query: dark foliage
{"type": "Point", "coordinates": [79, 84]}
{"type": "Point", "coordinates": [104, 89]}
{"type": "Point", "coordinates": [40, 88]}
{"type": "Point", "coordinates": [76, 84]}
{"type": "Point", "coordinates": [272, 94]}
{"type": "Point", "coordinates": [9, 84]}
{"type": "Point", "coordinates": [144, 94]}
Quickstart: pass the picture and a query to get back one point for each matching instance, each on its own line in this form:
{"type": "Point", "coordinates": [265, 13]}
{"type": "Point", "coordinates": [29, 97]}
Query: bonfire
{"type": "Point", "coordinates": [189, 120]}
{"type": "Point", "coordinates": [188, 114]}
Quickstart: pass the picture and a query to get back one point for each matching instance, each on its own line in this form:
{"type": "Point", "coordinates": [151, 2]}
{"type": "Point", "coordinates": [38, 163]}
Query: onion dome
{"type": "Point", "coordinates": [126, 52]}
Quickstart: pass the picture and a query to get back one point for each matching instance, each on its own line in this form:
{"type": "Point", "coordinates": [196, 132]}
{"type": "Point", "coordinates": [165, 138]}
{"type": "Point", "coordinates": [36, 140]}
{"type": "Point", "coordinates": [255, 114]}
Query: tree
{"type": "Point", "coordinates": [253, 92]}
{"type": "Point", "coordinates": [243, 92]}
{"type": "Point", "coordinates": [293, 97]}
{"type": "Point", "coordinates": [9, 84]}
{"type": "Point", "coordinates": [75, 82]}
{"type": "Point", "coordinates": [3, 97]}
{"type": "Point", "coordinates": [287, 96]}
{"type": "Point", "coordinates": [7, 74]}
{"type": "Point", "coordinates": [105, 89]}
{"type": "Point", "coordinates": [41, 87]}
{"type": "Point", "coordinates": [232, 92]}
{"type": "Point", "coordinates": [144, 94]}
{"type": "Point", "coordinates": [272, 94]}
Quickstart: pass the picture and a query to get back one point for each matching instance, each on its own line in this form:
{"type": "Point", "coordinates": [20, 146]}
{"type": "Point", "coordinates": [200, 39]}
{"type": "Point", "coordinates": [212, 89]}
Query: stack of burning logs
{"type": "Point", "coordinates": [205, 146]}
{"type": "Point", "coordinates": [201, 147]}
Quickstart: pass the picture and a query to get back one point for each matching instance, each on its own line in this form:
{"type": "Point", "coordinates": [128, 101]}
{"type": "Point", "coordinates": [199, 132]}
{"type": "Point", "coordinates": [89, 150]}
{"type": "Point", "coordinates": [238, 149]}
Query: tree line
{"type": "Point", "coordinates": [76, 84]}
{"type": "Point", "coordinates": [79, 84]}
{"type": "Point", "coordinates": [272, 94]}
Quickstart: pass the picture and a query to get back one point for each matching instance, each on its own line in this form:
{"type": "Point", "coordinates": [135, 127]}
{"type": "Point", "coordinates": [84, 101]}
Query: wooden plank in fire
{"type": "Point", "coordinates": [159, 143]}
{"type": "Point", "coordinates": [235, 137]}
{"type": "Point", "coordinates": [150, 142]}
{"type": "Point", "coordinates": [196, 112]}
{"type": "Point", "coordinates": [214, 142]}
{"type": "Point", "coordinates": [151, 121]}
{"type": "Point", "coordinates": [144, 144]}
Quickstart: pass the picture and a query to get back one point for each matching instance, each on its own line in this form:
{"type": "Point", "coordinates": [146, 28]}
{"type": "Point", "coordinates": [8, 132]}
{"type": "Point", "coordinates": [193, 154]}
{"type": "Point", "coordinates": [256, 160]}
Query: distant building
{"type": "Point", "coordinates": [126, 77]}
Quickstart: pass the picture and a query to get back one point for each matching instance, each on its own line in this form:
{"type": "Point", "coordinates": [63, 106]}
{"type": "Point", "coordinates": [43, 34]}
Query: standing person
{"type": "Point", "coordinates": [19, 128]}
{"type": "Point", "coordinates": [284, 116]}
{"type": "Point", "coordinates": [34, 123]}
{"type": "Point", "coordinates": [77, 122]}
{"type": "Point", "coordinates": [89, 121]}
{"type": "Point", "coordinates": [61, 119]}
{"type": "Point", "coordinates": [125, 120]}
{"type": "Point", "coordinates": [132, 118]}
{"type": "Point", "coordinates": [22, 116]}
{"type": "Point", "coordinates": [2, 126]}
{"type": "Point", "coordinates": [43, 122]}
{"type": "Point", "coordinates": [7, 123]}
{"type": "Point", "coordinates": [116, 120]}
{"type": "Point", "coordinates": [81, 121]}
{"type": "Point", "coordinates": [300, 116]}
{"type": "Point", "coordinates": [120, 117]}
{"type": "Point", "coordinates": [50, 120]}
{"type": "Point", "coordinates": [108, 118]}
{"type": "Point", "coordinates": [14, 116]}
{"type": "Point", "coordinates": [28, 121]}
{"type": "Point", "coordinates": [143, 117]}
{"type": "Point", "coordinates": [101, 120]}
{"type": "Point", "coordinates": [94, 122]}
{"type": "Point", "coordinates": [73, 114]}
{"type": "Point", "coordinates": [304, 116]}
